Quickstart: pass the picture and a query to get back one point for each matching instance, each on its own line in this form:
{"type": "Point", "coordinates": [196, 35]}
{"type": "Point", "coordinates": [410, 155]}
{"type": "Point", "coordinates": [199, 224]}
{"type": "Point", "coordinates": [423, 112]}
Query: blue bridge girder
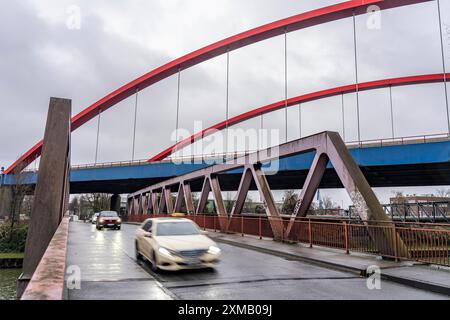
{"type": "Point", "coordinates": [421, 164]}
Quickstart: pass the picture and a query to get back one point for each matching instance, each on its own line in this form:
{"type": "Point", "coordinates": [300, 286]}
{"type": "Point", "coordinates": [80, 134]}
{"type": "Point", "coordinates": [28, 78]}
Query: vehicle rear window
{"type": "Point", "coordinates": [176, 229]}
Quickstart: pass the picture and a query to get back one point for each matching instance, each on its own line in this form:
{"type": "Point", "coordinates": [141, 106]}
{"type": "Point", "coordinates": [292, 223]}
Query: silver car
{"type": "Point", "coordinates": [95, 217]}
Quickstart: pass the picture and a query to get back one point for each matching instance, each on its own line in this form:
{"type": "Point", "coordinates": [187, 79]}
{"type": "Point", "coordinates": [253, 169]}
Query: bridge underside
{"type": "Point", "coordinates": [436, 174]}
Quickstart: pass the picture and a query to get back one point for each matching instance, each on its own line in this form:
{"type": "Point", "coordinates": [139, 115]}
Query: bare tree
{"type": "Point", "coordinates": [443, 193]}
{"type": "Point", "coordinates": [328, 203]}
{"type": "Point", "coordinates": [399, 207]}
{"type": "Point", "coordinates": [74, 206]}
{"type": "Point", "coordinates": [19, 190]}
{"type": "Point", "coordinates": [229, 202]}
{"type": "Point", "coordinates": [98, 201]}
{"type": "Point", "coordinates": [290, 199]}
{"type": "Point", "coordinates": [248, 205]}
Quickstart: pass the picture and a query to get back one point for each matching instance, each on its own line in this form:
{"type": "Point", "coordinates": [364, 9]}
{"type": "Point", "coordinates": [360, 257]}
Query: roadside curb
{"type": "Point", "coordinates": [424, 285]}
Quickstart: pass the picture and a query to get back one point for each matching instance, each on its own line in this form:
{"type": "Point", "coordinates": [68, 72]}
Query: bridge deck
{"type": "Point", "coordinates": [109, 271]}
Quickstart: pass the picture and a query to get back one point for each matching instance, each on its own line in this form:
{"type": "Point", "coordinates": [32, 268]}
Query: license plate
{"type": "Point", "coordinates": [111, 224]}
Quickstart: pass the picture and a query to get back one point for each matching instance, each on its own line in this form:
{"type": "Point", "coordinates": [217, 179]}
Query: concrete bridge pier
{"type": "Point", "coordinates": [115, 203]}
{"type": "Point", "coordinates": [51, 195]}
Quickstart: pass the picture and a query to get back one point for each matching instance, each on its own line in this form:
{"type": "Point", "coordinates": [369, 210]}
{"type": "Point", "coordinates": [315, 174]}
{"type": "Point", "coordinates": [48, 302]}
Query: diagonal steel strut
{"type": "Point", "coordinates": [329, 147]}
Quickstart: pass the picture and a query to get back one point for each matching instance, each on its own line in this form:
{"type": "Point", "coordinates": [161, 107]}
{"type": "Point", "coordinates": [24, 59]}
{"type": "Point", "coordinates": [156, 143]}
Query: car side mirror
{"type": "Point", "coordinates": [148, 234]}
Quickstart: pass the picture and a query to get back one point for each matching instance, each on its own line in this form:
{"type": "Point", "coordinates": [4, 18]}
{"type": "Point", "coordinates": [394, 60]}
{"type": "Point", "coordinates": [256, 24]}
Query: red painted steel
{"type": "Point", "coordinates": [301, 21]}
{"type": "Point", "coordinates": [430, 78]}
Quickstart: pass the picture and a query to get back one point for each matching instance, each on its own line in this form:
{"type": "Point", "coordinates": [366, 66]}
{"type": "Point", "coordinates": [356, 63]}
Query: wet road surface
{"type": "Point", "coordinates": [110, 271]}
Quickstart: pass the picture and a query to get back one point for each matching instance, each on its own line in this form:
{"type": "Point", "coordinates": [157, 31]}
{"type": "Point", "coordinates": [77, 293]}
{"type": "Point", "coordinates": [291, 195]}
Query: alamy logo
{"type": "Point", "coordinates": [73, 20]}
{"type": "Point", "coordinates": [373, 282]}
{"type": "Point", "coordinates": [374, 19]}
{"type": "Point", "coordinates": [73, 279]}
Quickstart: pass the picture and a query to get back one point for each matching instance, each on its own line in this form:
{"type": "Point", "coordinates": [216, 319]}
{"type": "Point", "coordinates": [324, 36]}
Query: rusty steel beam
{"type": "Point", "coordinates": [150, 203]}
{"type": "Point", "coordinates": [309, 189]}
{"type": "Point", "coordinates": [242, 193]}
{"type": "Point", "coordinates": [180, 198]}
{"type": "Point", "coordinates": [364, 199]}
{"type": "Point", "coordinates": [204, 194]}
{"type": "Point", "coordinates": [269, 202]}
{"type": "Point", "coordinates": [130, 206]}
{"type": "Point", "coordinates": [155, 204]}
{"type": "Point", "coordinates": [218, 201]}
{"type": "Point", "coordinates": [136, 206]}
{"type": "Point", "coordinates": [188, 198]}
{"type": "Point", "coordinates": [328, 146]}
{"type": "Point", "coordinates": [169, 202]}
{"type": "Point", "coordinates": [145, 204]}
{"type": "Point", "coordinates": [162, 203]}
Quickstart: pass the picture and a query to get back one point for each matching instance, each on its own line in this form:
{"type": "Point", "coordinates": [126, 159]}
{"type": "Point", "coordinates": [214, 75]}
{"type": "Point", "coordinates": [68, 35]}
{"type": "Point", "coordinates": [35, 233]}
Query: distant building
{"type": "Point", "coordinates": [414, 199]}
{"type": "Point", "coordinates": [423, 206]}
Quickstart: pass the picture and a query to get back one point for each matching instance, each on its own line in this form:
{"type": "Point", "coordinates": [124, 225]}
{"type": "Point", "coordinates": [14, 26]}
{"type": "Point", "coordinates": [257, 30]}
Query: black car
{"type": "Point", "coordinates": [108, 219]}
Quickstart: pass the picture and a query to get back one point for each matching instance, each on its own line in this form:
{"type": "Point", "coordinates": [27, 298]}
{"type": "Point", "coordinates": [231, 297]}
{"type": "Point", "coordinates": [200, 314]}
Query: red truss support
{"type": "Point", "coordinates": [328, 147]}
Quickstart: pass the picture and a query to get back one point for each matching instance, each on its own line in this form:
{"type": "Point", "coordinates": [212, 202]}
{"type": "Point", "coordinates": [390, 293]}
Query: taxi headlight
{"type": "Point", "coordinates": [214, 250]}
{"type": "Point", "coordinates": [165, 252]}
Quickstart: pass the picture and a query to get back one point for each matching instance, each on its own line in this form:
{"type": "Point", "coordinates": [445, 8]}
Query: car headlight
{"type": "Point", "coordinates": [214, 250]}
{"type": "Point", "coordinates": [101, 220]}
{"type": "Point", "coordinates": [119, 220]}
{"type": "Point", "coordinates": [165, 252]}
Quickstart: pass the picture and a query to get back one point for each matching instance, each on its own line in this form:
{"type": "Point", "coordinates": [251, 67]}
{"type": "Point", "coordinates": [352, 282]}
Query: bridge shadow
{"type": "Point", "coordinates": [180, 275]}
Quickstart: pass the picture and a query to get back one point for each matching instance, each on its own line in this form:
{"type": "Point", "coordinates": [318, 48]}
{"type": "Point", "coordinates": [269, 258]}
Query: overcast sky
{"type": "Point", "coordinates": [120, 40]}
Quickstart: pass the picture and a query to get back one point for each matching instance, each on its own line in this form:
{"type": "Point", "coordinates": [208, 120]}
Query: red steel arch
{"type": "Point", "coordinates": [429, 78]}
{"type": "Point", "coordinates": [304, 20]}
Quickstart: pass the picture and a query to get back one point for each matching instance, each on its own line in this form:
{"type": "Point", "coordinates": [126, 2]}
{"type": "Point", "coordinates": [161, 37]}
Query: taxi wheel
{"type": "Point", "coordinates": [154, 264]}
{"type": "Point", "coordinates": [136, 252]}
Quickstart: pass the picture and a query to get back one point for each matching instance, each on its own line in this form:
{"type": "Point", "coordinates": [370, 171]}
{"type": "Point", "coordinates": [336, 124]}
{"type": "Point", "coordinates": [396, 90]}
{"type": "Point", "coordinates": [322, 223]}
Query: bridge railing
{"type": "Point", "coordinates": [399, 141]}
{"type": "Point", "coordinates": [425, 242]}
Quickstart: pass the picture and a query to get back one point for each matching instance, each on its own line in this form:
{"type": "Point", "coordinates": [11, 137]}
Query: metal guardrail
{"type": "Point", "coordinates": [230, 155]}
{"type": "Point", "coordinates": [399, 141]}
{"type": "Point", "coordinates": [428, 243]}
{"type": "Point", "coordinates": [434, 212]}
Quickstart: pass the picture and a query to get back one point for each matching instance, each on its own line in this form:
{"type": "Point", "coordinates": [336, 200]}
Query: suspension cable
{"type": "Point", "coordinates": [177, 122]}
{"type": "Point", "coordinates": [98, 136]}
{"type": "Point", "coordinates": [227, 102]}
{"type": "Point", "coordinates": [300, 119]}
{"type": "Point", "coordinates": [134, 126]}
{"type": "Point", "coordinates": [343, 116]}
{"type": "Point", "coordinates": [356, 75]}
{"type": "Point", "coordinates": [443, 63]}
{"type": "Point", "coordinates": [392, 112]}
{"type": "Point", "coordinates": [285, 84]}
